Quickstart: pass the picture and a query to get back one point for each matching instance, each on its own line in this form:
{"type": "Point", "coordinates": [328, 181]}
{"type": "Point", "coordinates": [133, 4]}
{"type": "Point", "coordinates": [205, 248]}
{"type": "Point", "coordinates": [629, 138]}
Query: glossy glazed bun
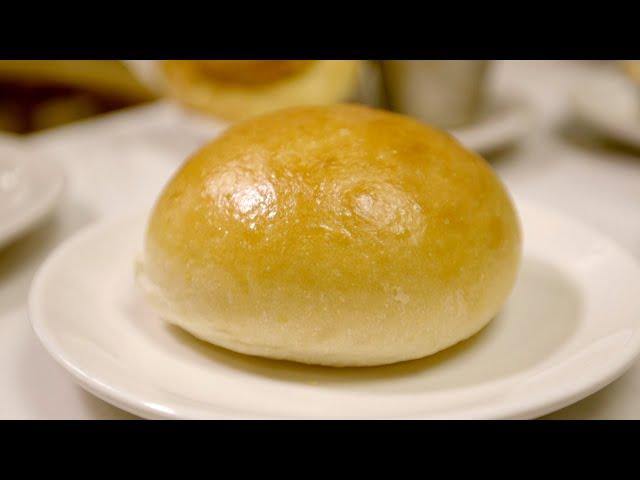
{"type": "Point", "coordinates": [236, 89]}
{"type": "Point", "coordinates": [339, 235]}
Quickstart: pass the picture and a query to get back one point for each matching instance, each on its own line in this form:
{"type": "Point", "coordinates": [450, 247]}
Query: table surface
{"type": "Point", "coordinates": [560, 164]}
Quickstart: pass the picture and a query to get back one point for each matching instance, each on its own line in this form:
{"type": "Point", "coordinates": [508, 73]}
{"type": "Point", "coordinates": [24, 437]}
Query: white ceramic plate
{"type": "Point", "coordinates": [505, 120]}
{"type": "Point", "coordinates": [570, 327]}
{"type": "Point", "coordinates": [29, 189]}
{"type": "Point", "coordinates": [610, 103]}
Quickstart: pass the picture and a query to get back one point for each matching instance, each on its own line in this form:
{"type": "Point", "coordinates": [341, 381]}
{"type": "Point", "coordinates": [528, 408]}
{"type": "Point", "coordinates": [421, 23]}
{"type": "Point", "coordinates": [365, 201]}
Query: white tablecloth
{"type": "Point", "coordinates": [119, 163]}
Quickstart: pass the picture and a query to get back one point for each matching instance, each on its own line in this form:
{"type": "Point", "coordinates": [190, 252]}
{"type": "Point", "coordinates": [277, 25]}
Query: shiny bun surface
{"type": "Point", "coordinates": [339, 235]}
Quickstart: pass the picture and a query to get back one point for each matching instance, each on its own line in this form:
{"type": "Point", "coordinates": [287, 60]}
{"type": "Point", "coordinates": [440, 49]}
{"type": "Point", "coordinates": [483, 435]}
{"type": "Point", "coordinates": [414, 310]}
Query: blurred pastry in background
{"type": "Point", "coordinates": [39, 94]}
{"type": "Point", "coordinates": [444, 93]}
{"type": "Point", "coordinates": [236, 89]}
{"type": "Point", "coordinates": [632, 68]}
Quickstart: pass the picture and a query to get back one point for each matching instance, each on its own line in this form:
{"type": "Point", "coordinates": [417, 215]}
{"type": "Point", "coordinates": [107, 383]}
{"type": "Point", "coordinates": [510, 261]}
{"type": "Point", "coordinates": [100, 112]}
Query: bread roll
{"type": "Point", "coordinates": [338, 235]}
{"type": "Point", "coordinates": [236, 89]}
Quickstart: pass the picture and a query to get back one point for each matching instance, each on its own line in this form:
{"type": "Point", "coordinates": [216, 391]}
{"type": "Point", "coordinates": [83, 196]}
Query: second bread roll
{"type": "Point", "coordinates": [237, 89]}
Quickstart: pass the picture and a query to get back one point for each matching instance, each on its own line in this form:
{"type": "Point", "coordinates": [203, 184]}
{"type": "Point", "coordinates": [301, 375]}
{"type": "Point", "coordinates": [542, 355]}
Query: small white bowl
{"type": "Point", "coordinates": [29, 190]}
{"type": "Point", "coordinates": [610, 103]}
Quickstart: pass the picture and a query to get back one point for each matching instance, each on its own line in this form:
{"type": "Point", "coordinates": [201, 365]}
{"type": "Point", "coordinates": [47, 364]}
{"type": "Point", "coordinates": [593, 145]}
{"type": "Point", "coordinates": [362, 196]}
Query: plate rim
{"type": "Point", "coordinates": [550, 400]}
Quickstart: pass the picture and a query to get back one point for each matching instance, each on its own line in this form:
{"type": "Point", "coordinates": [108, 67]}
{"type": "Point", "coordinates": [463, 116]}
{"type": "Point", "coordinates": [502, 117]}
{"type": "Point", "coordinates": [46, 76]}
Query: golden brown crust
{"type": "Point", "coordinates": [338, 235]}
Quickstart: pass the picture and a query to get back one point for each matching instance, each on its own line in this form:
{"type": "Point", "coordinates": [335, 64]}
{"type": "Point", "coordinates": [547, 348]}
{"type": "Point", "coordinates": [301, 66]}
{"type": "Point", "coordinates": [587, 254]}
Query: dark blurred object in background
{"type": "Point", "coordinates": [39, 94]}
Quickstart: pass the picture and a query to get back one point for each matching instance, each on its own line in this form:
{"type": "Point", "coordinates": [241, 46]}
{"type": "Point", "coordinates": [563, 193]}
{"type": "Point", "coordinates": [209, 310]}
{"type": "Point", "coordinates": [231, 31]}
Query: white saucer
{"type": "Point", "coordinates": [29, 189]}
{"type": "Point", "coordinates": [571, 326]}
{"type": "Point", "coordinates": [505, 120]}
{"type": "Point", "coordinates": [610, 103]}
